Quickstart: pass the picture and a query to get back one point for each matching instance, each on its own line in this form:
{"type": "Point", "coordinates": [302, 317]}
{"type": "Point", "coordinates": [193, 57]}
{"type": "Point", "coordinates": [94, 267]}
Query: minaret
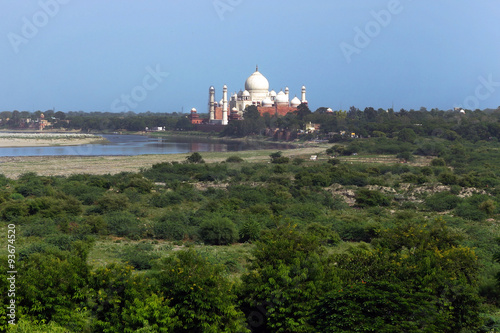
{"type": "Point", "coordinates": [287, 93]}
{"type": "Point", "coordinates": [303, 98]}
{"type": "Point", "coordinates": [212, 103]}
{"type": "Point", "coordinates": [224, 105]}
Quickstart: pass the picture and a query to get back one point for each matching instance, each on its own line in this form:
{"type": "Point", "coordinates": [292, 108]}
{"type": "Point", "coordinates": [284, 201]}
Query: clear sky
{"type": "Point", "coordinates": [163, 55]}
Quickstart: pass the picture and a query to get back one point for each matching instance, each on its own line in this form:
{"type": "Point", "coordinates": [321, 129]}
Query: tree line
{"type": "Point", "coordinates": [470, 125]}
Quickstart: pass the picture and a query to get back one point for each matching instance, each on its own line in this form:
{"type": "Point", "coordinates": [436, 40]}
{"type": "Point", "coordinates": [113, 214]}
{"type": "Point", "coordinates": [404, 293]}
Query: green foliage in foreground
{"type": "Point", "coordinates": [335, 247]}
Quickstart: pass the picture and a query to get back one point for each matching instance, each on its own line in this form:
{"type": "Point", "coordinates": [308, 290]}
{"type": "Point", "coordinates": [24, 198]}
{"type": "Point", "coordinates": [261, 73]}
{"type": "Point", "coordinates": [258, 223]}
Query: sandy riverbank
{"type": "Point", "coordinates": [46, 139]}
{"type": "Point", "coordinates": [4, 143]}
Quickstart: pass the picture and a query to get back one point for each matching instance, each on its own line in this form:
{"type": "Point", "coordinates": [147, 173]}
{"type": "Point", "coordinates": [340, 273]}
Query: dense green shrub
{"type": "Point", "coordinates": [122, 224]}
{"type": "Point", "coordinates": [366, 198]}
{"type": "Point", "coordinates": [470, 211]}
{"type": "Point", "coordinates": [218, 231]}
{"type": "Point", "coordinates": [250, 230]}
{"type": "Point", "coordinates": [284, 281]}
{"type": "Point", "coordinates": [438, 162]}
{"type": "Point", "coordinates": [136, 181]}
{"type": "Point", "coordinates": [86, 193]}
{"type": "Point", "coordinates": [173, 226]}
{"type": "Point", "coordinates": [448, 178]}
{"type": "Point", "coordinates": [234, 159]}
{"type": "Point", "coordinates": [200, 293]}
{"type": "Point", "coordinates": [195, 158]}
{"type": "Point", "coordinates": [166, 199]}
{"type": "Point", "coordinates": [325, 234]}
{"type": "Point", "coordinates": [140, 256]}
{"type": "Point", "coordinates": [112, 202]}
{"type": "Point", "coordinates": [442, 201]}
{"type": "Point", "coordinates": [12, 210]}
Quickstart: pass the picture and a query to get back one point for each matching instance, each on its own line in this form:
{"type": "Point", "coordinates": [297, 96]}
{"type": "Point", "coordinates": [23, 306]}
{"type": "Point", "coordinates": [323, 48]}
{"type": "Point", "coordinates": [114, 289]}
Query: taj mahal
{"type": "Point", "coordinates": [256, 93]}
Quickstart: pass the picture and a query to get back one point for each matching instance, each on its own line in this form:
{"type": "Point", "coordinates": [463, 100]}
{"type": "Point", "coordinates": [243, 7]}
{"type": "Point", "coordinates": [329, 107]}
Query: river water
{"type": "Point", "coordinates": [128, 145]}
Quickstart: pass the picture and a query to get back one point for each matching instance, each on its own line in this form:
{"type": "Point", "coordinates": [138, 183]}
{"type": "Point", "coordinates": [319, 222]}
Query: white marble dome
{"type": "Point", "coordinates": [245, 93]}
{"type": "Point", "coordinates": [281, 98]}
{"type": "Point", "coordinates": [267, 102]}
{"type": "Point", "coordinates": [295, 102]}
{"type": "Point", "coordinates": [257, 82]}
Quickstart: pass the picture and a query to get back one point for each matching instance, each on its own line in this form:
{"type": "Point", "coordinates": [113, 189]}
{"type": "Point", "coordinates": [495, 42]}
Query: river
{"type": "Point", "coordinates": [128, 145]}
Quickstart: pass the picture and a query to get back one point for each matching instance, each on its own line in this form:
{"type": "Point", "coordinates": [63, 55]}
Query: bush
{"type": "Point", "coordinates": [218, 231]}
{"type": "Point", "coordinates": [140, 255]}
{"type": "Point", "coordinates": [122, 224]}
{"type": "Point", "coordinates": [470, 212]}
{"type": "Point", "coordinates": [278, 158]}
{"type": "Point", "coordinates": [365, 198]}
{"type": "Point", "coordinates": [325, 234]}
{"type": "Point", "coordinates": [448, 178]}
{"type": "Point", "coordinates": [488, 206]}
{"type": "Point", "coordinates": [442, 201]}
{"type": "Point", "coordinates": [250, 230]}
{"type": "Point", "coordinates": [195, 158]}
{"type": "Point", "coordinates": [281, 160]}
{"type": "Point", "coordinates": [234, 159]}
{"type": "Point", "coordinates": [438, 162]}
{"type": "Point", "coordinates": [166, 199]}
{"type": "Point", "coordinates": [111, 202]}
{"type": "Point", "coordinates": [173, 226]}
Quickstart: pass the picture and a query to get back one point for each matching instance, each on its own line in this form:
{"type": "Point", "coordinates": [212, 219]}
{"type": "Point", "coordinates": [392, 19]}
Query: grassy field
{"type": "Point", "coordinates": [12, 167]}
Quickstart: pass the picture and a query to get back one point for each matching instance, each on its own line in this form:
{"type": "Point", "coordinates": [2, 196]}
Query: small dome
{"type": "Point", "coordinates": [303, 87]}
{"type": "Point", "coordinates": [193, 110]}
{"type": "Point", "coordinates": [221, 102]}
{"type": "Point", "coordinates": [246, 93]}
{"type": "Point", "coordinates": [267, 102]}
{"type": "Point", "coordinates": [234, 110]}
{"type": "Point", "coordinates": [281, 98]}
{"type": "Point", "coordinates": [272, 93]}
{"type": "Point", "coordinates": [329, 110]}
{"type": "Point", "coordinates": [295, 102]}
{"type": "Point", "coordinates": [257, 82]}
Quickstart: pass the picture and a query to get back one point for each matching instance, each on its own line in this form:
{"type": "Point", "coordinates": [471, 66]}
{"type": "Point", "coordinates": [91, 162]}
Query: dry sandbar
{"type": "Point", "coordinates": [47, 139]}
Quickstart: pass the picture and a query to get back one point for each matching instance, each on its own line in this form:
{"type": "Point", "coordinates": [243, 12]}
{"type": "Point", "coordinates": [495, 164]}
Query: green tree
{"type": "Point", "coordinates": [407, 135]}
{"type": "Point", "coordinates": [285, 281]}
{"type": "Point", "coordinates": [203, 298]}
{"type": "Point", "coordinates": [54, 285]}
{"type": "Point", "coordinates": [218, 231]}
{"type": "Point", "coordinates": [195, 158]}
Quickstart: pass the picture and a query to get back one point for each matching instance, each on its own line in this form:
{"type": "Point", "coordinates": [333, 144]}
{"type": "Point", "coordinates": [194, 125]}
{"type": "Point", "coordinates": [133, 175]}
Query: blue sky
{"type": "Point", "coordinates": [163, 55]}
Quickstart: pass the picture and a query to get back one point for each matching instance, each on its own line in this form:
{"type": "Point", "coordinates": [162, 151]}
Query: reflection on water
{"type": "Point", "coordinates": [140, 145]}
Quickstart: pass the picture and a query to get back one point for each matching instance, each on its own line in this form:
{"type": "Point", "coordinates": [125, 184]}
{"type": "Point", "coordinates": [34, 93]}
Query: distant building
{"type": "Point", "coordinates": [256, 93]}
